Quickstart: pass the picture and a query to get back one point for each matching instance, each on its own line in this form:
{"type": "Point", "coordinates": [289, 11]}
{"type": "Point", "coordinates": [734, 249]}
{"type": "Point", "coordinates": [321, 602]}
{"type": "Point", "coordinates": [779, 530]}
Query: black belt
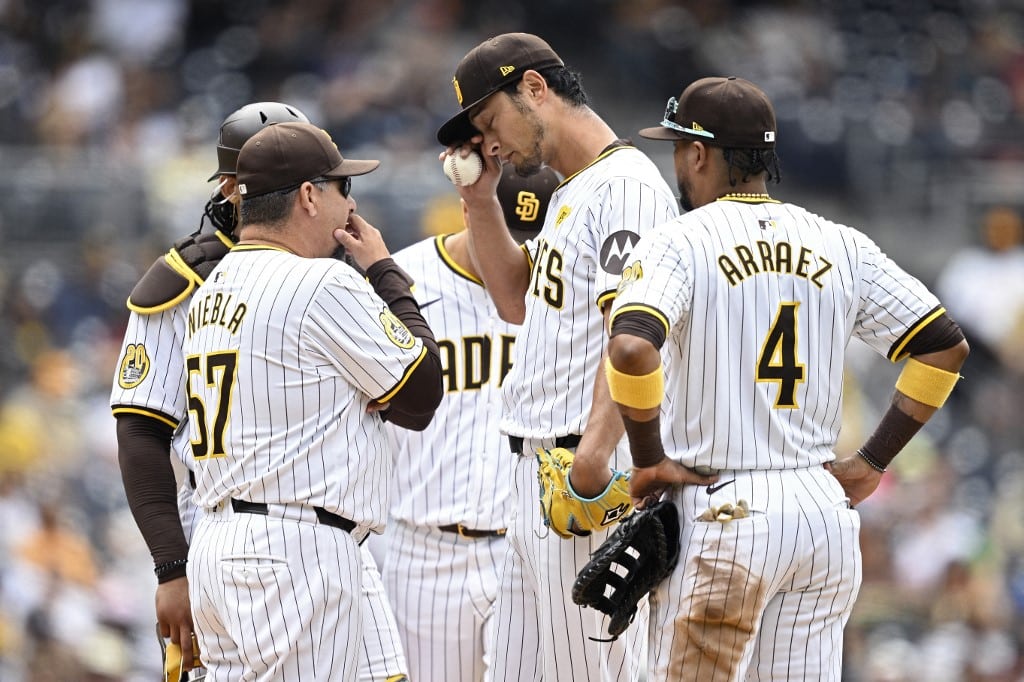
{"type": "Point", "coordinates": [325, 517]}
{"type": "Point", "coordinates": [570, 441]}
{"type": "Point", "coordinates": [472, 532]}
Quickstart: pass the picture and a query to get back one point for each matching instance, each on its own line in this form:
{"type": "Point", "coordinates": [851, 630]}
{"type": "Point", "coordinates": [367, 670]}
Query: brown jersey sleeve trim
{"type": "Point", "coordinates": [899, 349]}
{"type": "Point", "coordinates": [119, 410]}
{"type": "Point", "coordinates": [642, 321]}
{"type": "Point", "coordinates": [940, 334]}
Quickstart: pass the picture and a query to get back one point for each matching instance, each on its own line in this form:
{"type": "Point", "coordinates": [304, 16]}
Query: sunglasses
{"type": "Point", "coordinates": [671, 109]}
{"type": "Point", "coordinates": [345, 186]}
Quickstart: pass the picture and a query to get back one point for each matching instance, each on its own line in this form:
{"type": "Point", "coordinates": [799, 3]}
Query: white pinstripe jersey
{"type": "Point", "coordinates": [151, 372]}
{"type": "Point", "coordinates": [457, 470]}
{"type": "Point", "coordinates": [284, 354]}
{"type": "Point", "coordinates": [594, 219]}
{"type": "Point", "coordinates": [760, 301]}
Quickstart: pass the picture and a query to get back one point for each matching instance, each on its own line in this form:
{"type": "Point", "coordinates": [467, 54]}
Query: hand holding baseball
{"type": "Point", "coordinates": [463, 170]}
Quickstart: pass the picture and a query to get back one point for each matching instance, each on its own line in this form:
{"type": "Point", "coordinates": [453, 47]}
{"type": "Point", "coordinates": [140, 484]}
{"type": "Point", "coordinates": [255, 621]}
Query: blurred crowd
{"type": "Point", "coordinates": [905, 118]}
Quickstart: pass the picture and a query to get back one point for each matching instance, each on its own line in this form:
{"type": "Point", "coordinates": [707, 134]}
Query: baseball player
{"type": "Point", "coordinates": [292, 357]}
{"type": "Point", "coordinates": [522, 106]}
{"type": "Point", "coordinates": [752, 303]}
{"type": "Point", "coordinates": [149, 402]}
{"type": "Point", "coordinates": [451, 509]}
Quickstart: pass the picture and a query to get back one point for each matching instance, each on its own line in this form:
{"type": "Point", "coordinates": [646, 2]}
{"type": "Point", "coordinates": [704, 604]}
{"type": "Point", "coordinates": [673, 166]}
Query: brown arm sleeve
{"type": "Point", "coordinates": [143, 452]}
{"type": "Point", "coordinates": [641, 324]}
{"type": "Point", "coordinates": [413, 406]}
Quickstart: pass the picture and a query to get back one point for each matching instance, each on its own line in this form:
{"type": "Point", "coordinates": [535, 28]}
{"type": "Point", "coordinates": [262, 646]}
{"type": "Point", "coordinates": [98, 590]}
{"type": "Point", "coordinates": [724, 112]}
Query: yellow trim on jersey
{"type": "Point", "coordinates": [145, 413]}
{"type": "Point", "coordinates": [599, 158]}
{"type": "Point", "coordinates": [405, 377]}
{"type": "Point", "coordinates": [925, 383]}
{"type": "Point", "coordinates": [641, 308]}
{"type": "Point", "coordinates": [450, 262]}
{"type": "Point", "coordinates": [641, 392]}
{"type": "Point", "coordinates": [606, 298]}
{"type": "Point", "coordinates": [529, 257]}
{"type": "Point", "coordinates": [898, 353]}
{"type": "Point", "coordinates": [226, 240]}
{"type": "Point", "coordinates": [260, 247]}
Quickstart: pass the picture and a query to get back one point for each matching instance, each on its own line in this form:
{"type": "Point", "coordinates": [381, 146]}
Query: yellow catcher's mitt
{"type": "Point", "coordinates": [567, 513]}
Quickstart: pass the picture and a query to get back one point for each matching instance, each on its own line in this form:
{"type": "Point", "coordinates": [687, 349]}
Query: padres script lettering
{"type": "Point", "coordinates": [776, 259]}
{"type": "Point", "coordinates": [474, 368]}
{"type": "Point", "coordinates": [216, 309]}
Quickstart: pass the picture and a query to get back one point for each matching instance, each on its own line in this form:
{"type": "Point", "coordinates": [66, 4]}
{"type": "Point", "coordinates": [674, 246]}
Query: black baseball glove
{"type": "Point", "coordinates": [639, 554]}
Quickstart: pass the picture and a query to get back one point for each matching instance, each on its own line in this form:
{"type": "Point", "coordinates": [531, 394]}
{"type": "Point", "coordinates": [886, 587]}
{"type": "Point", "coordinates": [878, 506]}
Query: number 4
{"type": "Point", "coordinates": [777, 361]}
{"type": "Point", "coordinates": [224, 364]}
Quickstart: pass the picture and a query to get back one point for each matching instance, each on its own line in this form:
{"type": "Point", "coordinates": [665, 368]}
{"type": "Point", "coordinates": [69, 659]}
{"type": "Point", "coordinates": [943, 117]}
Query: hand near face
{"type": "Point", "coordinates": [362, 241]}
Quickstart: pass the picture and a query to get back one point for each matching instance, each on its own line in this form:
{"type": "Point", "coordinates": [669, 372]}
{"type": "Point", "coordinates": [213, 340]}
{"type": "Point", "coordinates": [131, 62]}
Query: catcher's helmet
{"type": "Point", "coordinates": [243, 124]}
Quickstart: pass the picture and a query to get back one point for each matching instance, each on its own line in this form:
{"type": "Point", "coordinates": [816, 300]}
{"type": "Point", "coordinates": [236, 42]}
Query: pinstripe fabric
{"type": "Point", "coordinates": [311, 356]}
{"type": "Point", "coordinates": [443, 586]}
{"type": "Point", "coordinates": [467, 479]}
{"type": "Point", "coordinates": [540, 633]}
{"type": "Point", "coordinates": [760, 301]}
{"type": "Point", "coordinates": [720, 318]}
{"type": "Point", "coordinates": [160, 392]}
{"type": "Point", "coordinates": [383, 656]}
{"type": "Point", "coordinates": [312, 350]}
{"type": "Point", "coordinates": [594, 218]}
{"type": "Point", "coordinates": [275, 600]}
{"type": "Point", "coordinates": [764, 597]}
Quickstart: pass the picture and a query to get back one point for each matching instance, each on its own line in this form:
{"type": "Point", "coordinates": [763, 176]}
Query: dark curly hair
{"type": "Point", "coordinates": [752, 162]}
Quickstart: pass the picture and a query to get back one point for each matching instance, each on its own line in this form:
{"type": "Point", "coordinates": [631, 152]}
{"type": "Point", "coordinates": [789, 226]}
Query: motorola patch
{"type": "Point", "coordinates": [616, 249]}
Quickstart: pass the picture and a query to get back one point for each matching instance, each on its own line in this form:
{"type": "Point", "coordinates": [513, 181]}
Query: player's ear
{"type": "Point", "coordinates": [308, 198]}
{"type": "Point", "coordinates": [699, 154]}
{"type": "Point", "coordinates": [533, 85]}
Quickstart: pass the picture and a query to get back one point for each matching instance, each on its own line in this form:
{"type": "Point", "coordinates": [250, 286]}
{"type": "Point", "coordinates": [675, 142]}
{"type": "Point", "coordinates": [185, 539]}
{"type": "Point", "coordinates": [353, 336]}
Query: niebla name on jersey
{"type": "Point", "coordinates": [216, 309]}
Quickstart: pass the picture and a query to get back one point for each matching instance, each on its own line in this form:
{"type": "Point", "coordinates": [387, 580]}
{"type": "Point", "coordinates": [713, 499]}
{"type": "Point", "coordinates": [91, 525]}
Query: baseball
{"type": "Point", "coordinates": [463, 171]}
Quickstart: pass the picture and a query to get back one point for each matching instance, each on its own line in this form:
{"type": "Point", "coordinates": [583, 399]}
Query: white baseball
{"type": "Point", "coordinates": [463, 171]}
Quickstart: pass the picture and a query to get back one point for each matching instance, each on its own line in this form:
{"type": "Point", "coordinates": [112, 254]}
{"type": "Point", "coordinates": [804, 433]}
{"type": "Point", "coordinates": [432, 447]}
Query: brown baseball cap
{"type": "Point", "coordinates": [721, 111]}
{"type": "Point", "coordinates": [524, 200]}
{"type": "Point", "coordinates": [285, 155]}
{"type": "Point", "coordinates": [488, 67]}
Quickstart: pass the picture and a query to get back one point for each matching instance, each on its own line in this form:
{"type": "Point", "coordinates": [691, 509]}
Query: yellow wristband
{"type": "Point", "coordinates": [926, 384]}
{"type": "Point", "coordinates": [638, 392]}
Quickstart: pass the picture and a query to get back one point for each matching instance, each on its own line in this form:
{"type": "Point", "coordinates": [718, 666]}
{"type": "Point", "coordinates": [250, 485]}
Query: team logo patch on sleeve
{"type": "Point", "coordinates": [632, 273]}
{"type": "Point", "coordinates": [616, 249]}
{"type": "Point", "coordinates": [134, 366]}
{"type": "Point", "coordinates": [396, 331]}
